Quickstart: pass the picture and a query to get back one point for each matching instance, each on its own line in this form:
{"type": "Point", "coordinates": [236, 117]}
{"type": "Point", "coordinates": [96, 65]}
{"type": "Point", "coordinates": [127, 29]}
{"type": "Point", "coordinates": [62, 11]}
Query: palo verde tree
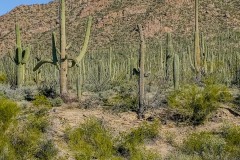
{"type": "Point", "coordinates": [65, 61]}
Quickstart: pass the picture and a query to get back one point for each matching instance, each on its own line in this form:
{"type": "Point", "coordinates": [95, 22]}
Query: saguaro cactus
{"type": "Point", "coordinates": [176, 74]}
{"type": "Point", "coordinates": [197, 52]}
{"type": "Point", "coordinates": [64, 59]}
{"type": "Point", "coordinates": [169, 56]}
{"type": "Point", "coordinates": [141, 73]}
{"type": "Point", "coordinates": [20, 59]}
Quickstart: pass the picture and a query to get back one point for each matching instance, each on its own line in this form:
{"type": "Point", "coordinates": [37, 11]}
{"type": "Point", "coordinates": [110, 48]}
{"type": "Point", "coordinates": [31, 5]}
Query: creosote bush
{"type": "Point", "coordinates": [24, 137]}
{"type": "Point", "coordinates": [41, 100]}
{"type": "Point", "coordinates": [8, 110]}
{"type": "Point", "coordinates": [92, 140]}
{"type": "Point", "coordinates": [210, 145]}
{"type": "Point", "coordinates": [124, 99]}
{"type": "Point", "coordinates": [3, 78]}
{"type": "Point", "coordinates": [196, 103]}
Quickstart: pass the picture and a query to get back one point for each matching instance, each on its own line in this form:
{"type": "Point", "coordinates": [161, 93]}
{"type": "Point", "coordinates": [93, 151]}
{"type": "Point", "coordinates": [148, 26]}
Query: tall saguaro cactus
{"type": "Point", "coordinates": [197, 52]}
{"type": "Point", "coordinates": [176, 74]}
{"type": "Point", "coordinates": [169, 56]}
{"type": "Point", "coordinates": [64, 59]}
{"type": "Point", "coordinates": [141, 73]}
{"type": "Point", "coordinates": [21, 57]}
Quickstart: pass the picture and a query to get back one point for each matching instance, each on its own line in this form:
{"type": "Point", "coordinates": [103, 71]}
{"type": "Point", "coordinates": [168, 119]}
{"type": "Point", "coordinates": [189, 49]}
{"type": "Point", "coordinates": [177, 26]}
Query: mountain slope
{"type": "Point", "coordinates": [115, 21]}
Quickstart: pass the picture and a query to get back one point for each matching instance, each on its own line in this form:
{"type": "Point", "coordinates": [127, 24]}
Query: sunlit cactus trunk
{"type": "Point", "coordinates": [197, 45]}
{"type": "Point", "coordinates": [64, 62]}
{"type": "Point", "coordinates": [141, 73]}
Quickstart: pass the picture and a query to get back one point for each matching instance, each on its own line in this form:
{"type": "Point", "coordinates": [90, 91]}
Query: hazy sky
{"type": "Point", "coordinates": [8, 5]}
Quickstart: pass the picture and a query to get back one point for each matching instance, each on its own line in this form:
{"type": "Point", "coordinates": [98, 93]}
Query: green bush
{"type": "Point", "coordinates": [124, 100]}
{"type": "Point", "coordinates": [91, 140]}
{"type": "Point", "coordinates": [130, 145]}
{"type": "Point", "coordinates": [3, 78]}
{"type": "Point", "coordinates": [144, 132]}
{"type": "Point", "coordinates": [196, 103]}
{"type": "Point", "coordinates": [232, 137]}
{"type": "Point", "coordinates": [46, 150]}
{"type": "Point", "coordinates": [8, 110]}
{"type": "Point", "coordinates": [41, 100]}
{"type": "Point", "coordinates": [56, 102]}
{"type": "Point", "coordinates": [205, 145]}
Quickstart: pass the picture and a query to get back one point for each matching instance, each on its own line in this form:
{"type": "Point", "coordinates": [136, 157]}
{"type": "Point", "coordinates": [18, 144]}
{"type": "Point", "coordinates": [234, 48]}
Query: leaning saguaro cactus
{"type": "Point", "coordinates": [20, 59]}
{"type": "Point", "coordinates": [63, 63]}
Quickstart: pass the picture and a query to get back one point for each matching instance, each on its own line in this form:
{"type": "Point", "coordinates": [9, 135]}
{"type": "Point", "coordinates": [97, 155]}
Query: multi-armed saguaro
{"type": "Point", "coordinates": [20, 59]}
{"type": "Point", "coordinates": [63, 64]}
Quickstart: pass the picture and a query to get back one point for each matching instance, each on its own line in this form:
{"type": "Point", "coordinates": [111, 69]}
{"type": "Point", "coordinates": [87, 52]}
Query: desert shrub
{"type": "Point", "coordinates": [91, 140]}
{"type": "Point", "coordinates": [48, 90]}
{"type": "Point", "coordinates": [130, 145]}
{"type": "Point", "coordinates": [56, 102]}
{"type": "Point", "coordinates": [144, 132]}
{"type": "Point", "coordinates": [232, 137]}
{"type": "Point", "coordinates": [6, 151]}
{"type": "Point", "coordinates": [206, 145]}
{"type": "Point", "coordinates": [41, 100]}
{"type": "Point", "coordinates": [46, 150]}
{"type": "Point", "coordinates": [18, 94]}
{"type": "Point", "coordinates": [197, 103]}
{"type": "Point", "coordinates": [28, 139]}
{"type": "Point", "coordinates": [8, 110]}
{"type": "Point", "coordinates": [124, 99]}
{"type": "Point", "coordinates": [3, 78]}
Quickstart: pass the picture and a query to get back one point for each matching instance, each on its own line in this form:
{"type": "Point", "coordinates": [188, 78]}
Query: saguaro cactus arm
{"type": "Point", "coordinates": [86, 40]}
{"type": "Point", "coordinates": [40, 63]}
{"type": "Point", "coordinates": [25, 55]}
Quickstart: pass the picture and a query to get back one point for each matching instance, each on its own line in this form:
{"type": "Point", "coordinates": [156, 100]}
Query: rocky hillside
{"type": "Point", "coordinates": [115, 20]}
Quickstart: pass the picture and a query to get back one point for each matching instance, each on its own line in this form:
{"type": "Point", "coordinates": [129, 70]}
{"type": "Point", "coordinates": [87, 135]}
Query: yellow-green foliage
{"type": "Point", "coordinates": [206, 145]}
{"type": "Point", "coordinates": [25, 139]}
{"type": "Point", "coordinates": [92, 140]}
{"type": "Point", "coordinates": [232, 137]}
{"type": "Point", "coordinates": [41, 100]}
{"type": "Point", "coordinates": [131, 145]}
{"type": "Point", "coordinates": [3, 78]}
{"type": "Point", "coordinates": [143, 133]}
{"type": "Point", "coordinates": [197, 103]}
{"type": "Point", "coordinates": [8, 110]}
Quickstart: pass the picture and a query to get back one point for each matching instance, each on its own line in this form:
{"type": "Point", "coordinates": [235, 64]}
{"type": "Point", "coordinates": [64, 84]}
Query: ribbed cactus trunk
{"type": "Point", "coordinates": [169, 57]}
{"type": "Point", "coordinates": [141, 74]}
{"type": "Point", "coordinates": [197, 45]}
{"type": "Point", "coordinates": [19, 66]}
{"type": "Point", "coordinates": [20, 59]}
{"type": "Point", "coordinates": [64, 62]}
{"type": "Point", "coordinates": [176, 74]}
